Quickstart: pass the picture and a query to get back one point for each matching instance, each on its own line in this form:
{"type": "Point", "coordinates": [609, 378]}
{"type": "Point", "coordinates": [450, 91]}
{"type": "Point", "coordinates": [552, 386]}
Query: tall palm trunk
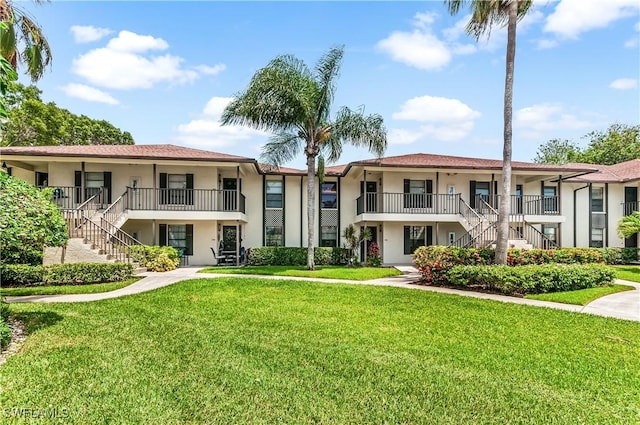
{"type": "Point", "coordinates": [311, 210]}
{"type": "Point", "coordinates": [502, 243]}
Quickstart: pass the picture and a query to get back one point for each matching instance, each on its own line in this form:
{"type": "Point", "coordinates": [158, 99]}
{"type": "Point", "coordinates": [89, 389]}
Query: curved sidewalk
{"type": "Point", "coordinates": [623, 305]}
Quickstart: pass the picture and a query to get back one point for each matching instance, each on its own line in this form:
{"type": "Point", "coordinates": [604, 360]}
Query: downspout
{"type": "Point", "coordinates": [284, 203]}
{"type": "Point", "coordinates": [575, 214]}
{"type": "Point", "coordinates": [606, 215]}
{"type": "Point", "coordinates": [238, 188]}
{"type": "Point", "coordinates": [154, 237]}
{"type": "Point", "coordinates": [559, 235]}
{"type": "Point", "coordinates": [301, 212]}
{"type": "Point", "coordinates": [264, 209]}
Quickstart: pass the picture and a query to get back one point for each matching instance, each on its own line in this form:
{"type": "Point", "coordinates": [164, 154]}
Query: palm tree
{"type": "Point", "coordinates": [485, 14]}
{"type": "Point", "coordinates": [294, 102]}
{"type": "Point", "coordinates": [21, 31]}
{"type": "Point", "coordinates": [629, 225]}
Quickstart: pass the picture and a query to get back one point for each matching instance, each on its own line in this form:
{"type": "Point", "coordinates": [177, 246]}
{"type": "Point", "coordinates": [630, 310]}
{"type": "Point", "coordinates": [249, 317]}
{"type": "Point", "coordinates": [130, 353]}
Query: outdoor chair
{"type": "Point", "coordinates": [218, 258]}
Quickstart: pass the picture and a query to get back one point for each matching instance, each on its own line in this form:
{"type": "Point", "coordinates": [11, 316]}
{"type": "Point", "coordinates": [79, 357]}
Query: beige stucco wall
{"type": "Point", "coordinates": [293, 210]}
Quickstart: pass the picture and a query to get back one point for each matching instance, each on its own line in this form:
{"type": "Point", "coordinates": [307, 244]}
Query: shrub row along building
{"type": "Point", "coordinates": [210, 204]}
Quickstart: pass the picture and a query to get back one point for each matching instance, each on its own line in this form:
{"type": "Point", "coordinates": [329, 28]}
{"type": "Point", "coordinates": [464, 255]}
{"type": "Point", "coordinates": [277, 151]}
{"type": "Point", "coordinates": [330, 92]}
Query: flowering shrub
{"type": "Point", "coordinates": [374, 259]}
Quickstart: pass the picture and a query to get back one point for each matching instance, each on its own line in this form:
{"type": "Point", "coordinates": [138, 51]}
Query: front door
{"type": "Point", "coordinates": [550, 200]}
{"type": "Point", "coordinates": [230, 194]}
{"type": "Point", "coordinates": [631, 205]}
{"type": "Point", "coordinates": [229, 239]}
{"type": "Point", "coordinates": [370, 196]}
{"type": "Point", "coordinates": [518, 206]}
{"type": "Point", "coordinates": [42, 179]}
{"type": "Point", "coordinates": [364, 246]}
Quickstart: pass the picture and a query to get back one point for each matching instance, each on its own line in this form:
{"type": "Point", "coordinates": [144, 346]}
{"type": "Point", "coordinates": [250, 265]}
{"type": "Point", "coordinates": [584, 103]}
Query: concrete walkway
{"type": "Point", "coordinates": [623, 305]}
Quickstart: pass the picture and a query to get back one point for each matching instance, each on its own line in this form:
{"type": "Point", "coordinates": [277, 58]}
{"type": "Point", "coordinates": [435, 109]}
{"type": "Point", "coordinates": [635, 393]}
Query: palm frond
{"type": "Point", "coordinates": [281, 148]}
{"type": "Point", "coordinates": [359, 130]}
{"type": "Point", "coordinates": [37, 52]}
{"type": "Point", "coordinates": [279, 98]}
{"type": "Point", "coordinates": [327, 70]}
{"type": "Point", "coordinates": [487, 14]}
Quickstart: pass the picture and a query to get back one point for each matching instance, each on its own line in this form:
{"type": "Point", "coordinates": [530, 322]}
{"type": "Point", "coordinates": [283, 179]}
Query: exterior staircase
{"type": "Point", "coordinates": [480, 224]}
{"type": "Point", "coordinates": [92, 231]}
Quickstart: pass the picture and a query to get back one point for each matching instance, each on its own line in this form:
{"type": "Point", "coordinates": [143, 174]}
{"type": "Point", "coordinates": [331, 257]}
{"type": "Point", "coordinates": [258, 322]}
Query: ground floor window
{"type": "Point", "coordinates": [179, 236]}
{"type": "Point", "coordinates": [329, 236]}
{"type": "Point", "coordinates": [273, 236]}
{"type": "Point", "coordinates": [417, 236]}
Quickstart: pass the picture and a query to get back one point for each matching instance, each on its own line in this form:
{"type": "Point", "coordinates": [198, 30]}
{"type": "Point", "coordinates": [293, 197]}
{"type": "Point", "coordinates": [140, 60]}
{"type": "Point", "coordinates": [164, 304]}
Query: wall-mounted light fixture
{"type": "Point", "coordinates": [4, 165]}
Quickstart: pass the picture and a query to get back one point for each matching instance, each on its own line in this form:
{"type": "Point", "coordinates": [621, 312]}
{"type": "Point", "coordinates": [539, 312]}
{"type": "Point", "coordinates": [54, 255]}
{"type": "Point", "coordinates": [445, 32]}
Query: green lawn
{"type": "Point", "coordinates": [67, 289]}
{"type": "Point", "coordinates": [264, 351]}
{"type": "Point", "coordinates": [328, 272]}
{"type": "Point", "coordinates": [630, 273]}
{"type": "Point", "coordinates": [582, 296]}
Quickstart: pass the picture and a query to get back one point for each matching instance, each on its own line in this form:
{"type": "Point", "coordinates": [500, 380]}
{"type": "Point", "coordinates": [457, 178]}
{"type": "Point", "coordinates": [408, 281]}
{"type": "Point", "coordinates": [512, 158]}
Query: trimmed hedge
{"type": "Point", "coordinates": [294, 256]}
{"type": "Point", "coordinates": [64, 274]}
{"type": "Point", "coordinates": [434, 261]}
{"type": "Point", "coordinates": [530, 279]}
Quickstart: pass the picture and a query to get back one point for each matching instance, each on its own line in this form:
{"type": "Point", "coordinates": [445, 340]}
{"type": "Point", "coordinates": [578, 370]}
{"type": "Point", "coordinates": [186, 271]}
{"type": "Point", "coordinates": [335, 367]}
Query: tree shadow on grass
{"type": "Point", "coordinates": [33, 321]}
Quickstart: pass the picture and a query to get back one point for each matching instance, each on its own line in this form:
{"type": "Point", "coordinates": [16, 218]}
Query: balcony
{"type": "Point", "coordinates": [524, 204]}
{"type": "Point", "coordinates": [70, 197]}
{"type": "Point", "coordinates": [407, 203]}
{"type": "Point", "coordinates": [207, 200]}
{"type": "Point", "coordinates": [630, 207]}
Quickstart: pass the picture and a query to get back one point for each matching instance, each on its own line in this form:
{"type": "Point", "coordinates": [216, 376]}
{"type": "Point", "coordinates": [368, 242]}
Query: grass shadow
{"type": "Point", "coordinates": [33, 321]}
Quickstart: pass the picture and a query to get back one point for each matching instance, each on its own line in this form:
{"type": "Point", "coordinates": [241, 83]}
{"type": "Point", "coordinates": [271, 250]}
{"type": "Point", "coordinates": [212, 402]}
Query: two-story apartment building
{"type": "Point", "coordinates": [206, 202]}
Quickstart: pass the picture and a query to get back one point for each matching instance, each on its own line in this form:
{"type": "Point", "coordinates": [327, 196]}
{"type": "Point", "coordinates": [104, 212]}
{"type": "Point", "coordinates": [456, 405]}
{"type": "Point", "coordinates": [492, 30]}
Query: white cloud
{"type": "Point", "coordinates": [435, 109]}
{"type": "Point", "coordinates": [635, 40]}
{"type": "Point", "coordinates": [90, 94]}
{"type": "Point", "coordinates": [128, 41]}
{"type": "Point", "coordinates": [88, 33]}
{"type": "Point", "coordinates": [535, 120]}
{"type": "Point", "coordinates": [418, 48]}
{"type": "Point", "coordinates": [211, 70]}
{"type": "Point", "coordinates": [546, 44]}
{"type": "Point", "coordinates": [125, 64]}
{"type": "Point", "coordinates": [207, 132]}
{"type": "Point", "coordinates": [624, 84]}
{"type": "Point", "coordinates": [573, 17]}
{"type": "Point", "coordinates": [447, 120]}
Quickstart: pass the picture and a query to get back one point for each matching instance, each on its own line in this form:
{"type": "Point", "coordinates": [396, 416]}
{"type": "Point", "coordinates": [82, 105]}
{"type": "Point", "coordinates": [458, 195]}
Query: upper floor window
{"type": "Point", "coordinates": [274, 194]}
{"type": "Point", "coordinates": [597, 199]}
{"type": "Point", "coordinates": [329, 195]}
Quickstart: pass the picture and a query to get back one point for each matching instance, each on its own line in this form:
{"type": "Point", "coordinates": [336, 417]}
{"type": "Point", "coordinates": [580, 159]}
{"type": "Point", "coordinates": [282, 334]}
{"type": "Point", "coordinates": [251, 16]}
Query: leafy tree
{"type": "Point", "coordinates": [629, 225]}
{"type": "Point", "coordinates": [619, 143]}
{"type": "Point", "coordinates": [29, 221]}
{"type": "Point", "coordinates": [294, 102]}
{"type": "Point", "coordinates": [485, 14]}
{"type": "Point", "coordinates": [557, 151]}
{"type": "Point", "coordinates": [35, 123]}
{"type": "Point", "coordinates": [22, 32]}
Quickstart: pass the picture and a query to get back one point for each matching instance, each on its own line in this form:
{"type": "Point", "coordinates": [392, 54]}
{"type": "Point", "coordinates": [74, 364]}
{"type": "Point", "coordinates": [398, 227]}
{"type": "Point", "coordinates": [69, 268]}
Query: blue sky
{"type": "Point", "coordinates": [165, 70]}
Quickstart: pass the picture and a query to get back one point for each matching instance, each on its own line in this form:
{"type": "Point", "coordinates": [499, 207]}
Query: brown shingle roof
{"type": "Point", "coordinates": [125, 151]}
{"type": "Point", "coordinates": [617, 173]}
{"type": "Point", "coordinates": [424, 160]}
{"type": "Point", "coordinates": [272, 169]}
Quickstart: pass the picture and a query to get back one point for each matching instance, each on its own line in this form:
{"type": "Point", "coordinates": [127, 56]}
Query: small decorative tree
{"type": "Point", "coordinates": [353, 239]}
{"type": "Point", "coordinates": [629, 225]}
